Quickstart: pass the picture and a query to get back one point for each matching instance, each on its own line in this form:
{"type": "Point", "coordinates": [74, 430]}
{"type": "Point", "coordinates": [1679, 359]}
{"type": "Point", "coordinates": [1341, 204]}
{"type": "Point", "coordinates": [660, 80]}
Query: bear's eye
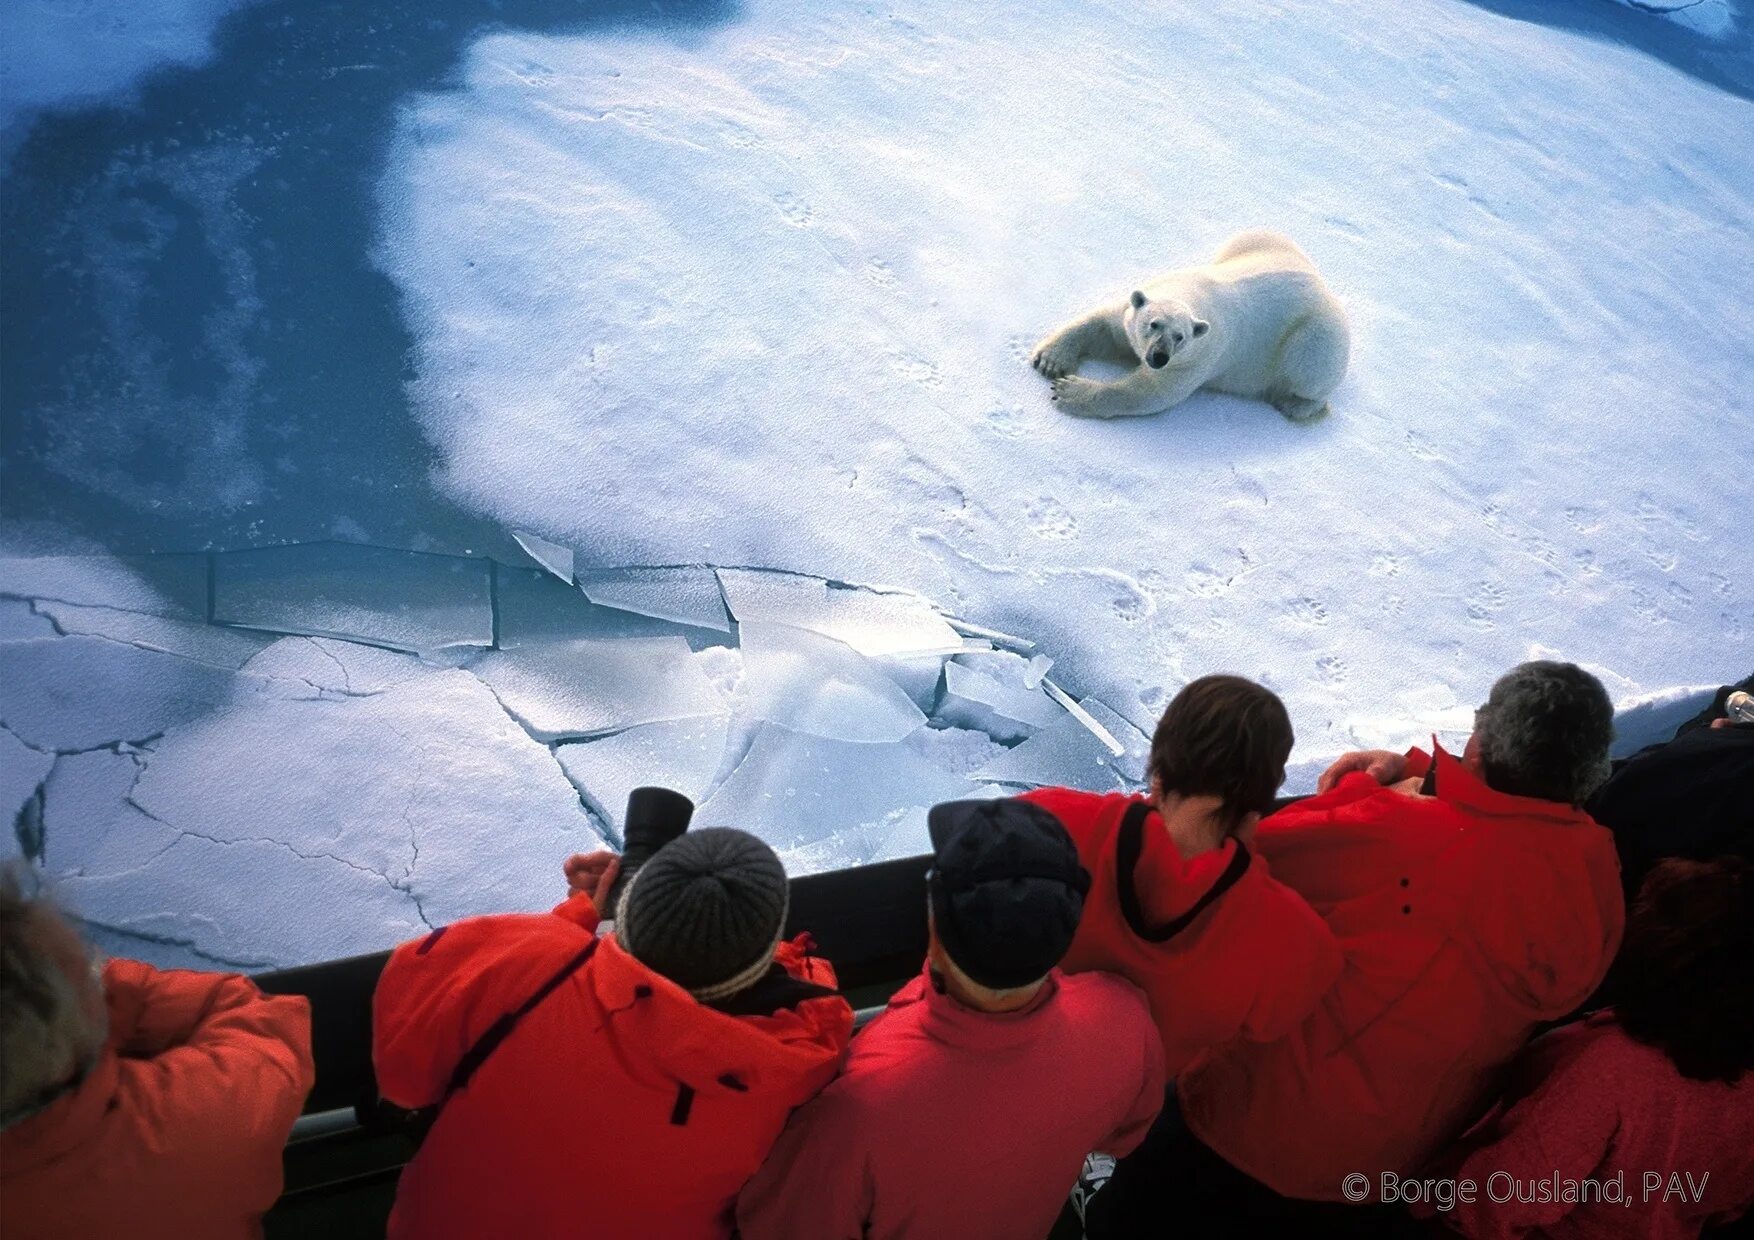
{"type": "Point", "coordinates": [1178, 337]}
{"type": "Point", "coordinates": [1156, 325]}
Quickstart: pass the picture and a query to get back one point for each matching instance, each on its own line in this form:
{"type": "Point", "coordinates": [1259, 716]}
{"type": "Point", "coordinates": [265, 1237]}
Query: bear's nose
{"type": "Point", "coordinates": [1158, 359]}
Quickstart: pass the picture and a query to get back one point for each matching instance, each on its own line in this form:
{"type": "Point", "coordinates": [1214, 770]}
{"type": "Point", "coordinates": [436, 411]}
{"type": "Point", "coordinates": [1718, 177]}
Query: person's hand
{"type": "Point", "coordinates": [1409, 787]}
{"type": "Point", "coordinates": [594, 874]}
{"type": "Point", "coordinates": [1380, 764]}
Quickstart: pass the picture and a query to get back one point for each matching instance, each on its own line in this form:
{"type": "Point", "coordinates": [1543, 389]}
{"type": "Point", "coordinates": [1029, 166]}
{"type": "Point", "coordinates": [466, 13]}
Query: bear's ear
{"type": "Point", "coordinates": [1138, 299]}
{"type": "Point", "coordinates": [1201, 327]}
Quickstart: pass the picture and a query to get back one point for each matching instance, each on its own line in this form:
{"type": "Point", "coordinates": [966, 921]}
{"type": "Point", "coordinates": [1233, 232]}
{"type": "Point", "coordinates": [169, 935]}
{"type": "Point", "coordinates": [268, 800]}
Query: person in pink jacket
{"type": "Point", "coordinates": [968, 1107]}
{"type": "Point", "coordinates": [1648, 1108]}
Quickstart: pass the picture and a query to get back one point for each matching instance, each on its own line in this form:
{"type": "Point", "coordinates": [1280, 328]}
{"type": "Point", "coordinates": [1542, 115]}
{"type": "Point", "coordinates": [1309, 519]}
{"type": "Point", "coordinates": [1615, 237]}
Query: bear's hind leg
{"type": "Point", "coordinates": [1312, 361]}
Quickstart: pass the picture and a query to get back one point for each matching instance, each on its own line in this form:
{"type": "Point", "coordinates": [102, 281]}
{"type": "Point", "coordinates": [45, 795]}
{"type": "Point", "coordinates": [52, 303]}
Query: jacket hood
{"type": "Point", "coordinates": [661, 1032]}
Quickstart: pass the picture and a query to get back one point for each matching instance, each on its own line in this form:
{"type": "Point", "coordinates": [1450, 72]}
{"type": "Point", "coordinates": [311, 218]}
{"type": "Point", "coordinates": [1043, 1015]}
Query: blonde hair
{"type": "Point", "coordinates": [50, 1030]}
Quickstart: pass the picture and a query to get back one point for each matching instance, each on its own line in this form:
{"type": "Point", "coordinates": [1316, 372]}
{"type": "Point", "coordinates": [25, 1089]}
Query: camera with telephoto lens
{"type": "Point", "coordinates": [655, 816]}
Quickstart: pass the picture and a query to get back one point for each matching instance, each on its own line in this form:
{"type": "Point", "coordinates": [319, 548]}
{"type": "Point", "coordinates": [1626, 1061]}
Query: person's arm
{"type": "Point", "coordinates": [219, 1070]}
{"type": "Point", "coordinates": [1152, 1083]}
{"type": "Point", "coordinates": [817, 1179]}
{"type": "Point", "coordinates": [1295, 961]}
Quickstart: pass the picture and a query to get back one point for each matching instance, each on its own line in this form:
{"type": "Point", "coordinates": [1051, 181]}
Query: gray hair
{"type": "Point", "coordinates": [1545, 731]}
{"type": "Point", "coordinates": [52, 1029]}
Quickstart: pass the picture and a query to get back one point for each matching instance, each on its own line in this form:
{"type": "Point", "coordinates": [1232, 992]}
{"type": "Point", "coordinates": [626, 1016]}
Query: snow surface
{"type": "Point", "coordinates": [778, 286]}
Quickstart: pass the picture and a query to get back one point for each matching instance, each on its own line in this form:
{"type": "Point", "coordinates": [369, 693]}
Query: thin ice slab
{"type": "Point", "coordinates": [579, 688]}
{"type": "Point", "coordinates": [871, 623]}
{"type": "Point", "coordinates": [1067, 754]}
{"type": "Point", "coordinates": [840, 800]}
{"type": "Point", "coordinates": [537, 608]}
{"type": "Point", "coordinates": [814, 684]}
{"type": "Point", "coordinates": [680, 754]}
{"type": "Point", "coordinates": [190, 639]}
{"type": "Point", "coordinates": [551, 556]}
{"type": "Point", "coordinates": [683, 595]}
{"type": "Point", "coordinates": [974, 698]}
{"type": "Point", "coordinates": [336, 667]}
{"type": "Point", "coordinates": [406, 600]}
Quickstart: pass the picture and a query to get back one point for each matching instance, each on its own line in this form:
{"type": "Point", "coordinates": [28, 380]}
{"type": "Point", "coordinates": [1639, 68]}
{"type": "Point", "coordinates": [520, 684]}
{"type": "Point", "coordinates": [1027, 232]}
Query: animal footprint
{"type": "Point", "coordinates": [879, 272]}
{"type": "Point", "coordinates": [1204, 581]}
{"type": "Point", "coordinates": [1420, 449]}
{"type": "Point", "coordinates": [794, 210]}
{"type": "Point", "coordinates": [1019, 348]}
{"type": "Point", "coordinates": [918, 369]}
{"type": "Point", "coordinates": [1681, 594]}
{"type": "Point", "coordinates": [1049, 518]}
{"type": "Point", "coordinates": [1583, 520]}
{"type": "Point", "coordinates": [1306, 611]}
{"type": "Point", "coordinates": [1487, 598]}
{"type": "Point", "coordinates": [1393, 605]}
{"type": "Point", "coordinates": [1331, 669]}
{"type": "Point", "coordinates": [1006, 420]}
{"type": "Point", "coordinates": [1586, 562]}
{"type": "Point", "coordinates": [1130, 603]}
{"type": "Point", "coordinates": [1385, 565]}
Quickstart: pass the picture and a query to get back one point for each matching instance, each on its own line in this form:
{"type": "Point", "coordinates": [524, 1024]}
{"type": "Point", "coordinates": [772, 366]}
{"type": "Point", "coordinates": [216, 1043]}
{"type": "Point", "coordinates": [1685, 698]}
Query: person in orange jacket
{"type": "Point", "coordinates": [623, 1084]}
{"type": "Point", "coordinates": [1474, 901]}
{"type": "Point", "coordinates": [134, 1101]}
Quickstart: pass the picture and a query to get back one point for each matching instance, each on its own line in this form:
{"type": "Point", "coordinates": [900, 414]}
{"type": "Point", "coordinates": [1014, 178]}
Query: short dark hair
{"type": "Point", "coordinates": [1227, 737]}
{"type": "Point", "coordinates": [1545, 732]}
{"type": "Point", "coordinates": [1686, 972]}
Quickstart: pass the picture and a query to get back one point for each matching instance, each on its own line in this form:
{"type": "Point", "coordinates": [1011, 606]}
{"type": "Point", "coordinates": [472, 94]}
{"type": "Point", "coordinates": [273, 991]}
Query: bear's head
{"type": "Point", "coordinates": [1160, 330]}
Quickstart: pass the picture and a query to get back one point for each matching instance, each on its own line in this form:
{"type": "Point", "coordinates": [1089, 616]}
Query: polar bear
{"type": "Point", "coordinates": [1257, 321]}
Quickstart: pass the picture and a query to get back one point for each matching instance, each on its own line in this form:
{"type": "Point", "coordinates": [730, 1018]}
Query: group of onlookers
{"type": "Point", "coordinates": [1337, 1016]}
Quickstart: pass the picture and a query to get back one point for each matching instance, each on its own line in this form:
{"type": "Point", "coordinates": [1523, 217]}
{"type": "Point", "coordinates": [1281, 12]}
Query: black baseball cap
{"type": "Point", "coordinates": [1006, 889]}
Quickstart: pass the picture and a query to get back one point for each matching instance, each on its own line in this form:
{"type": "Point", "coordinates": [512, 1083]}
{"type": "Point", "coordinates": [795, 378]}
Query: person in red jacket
{"type": "Point", "coordinates": [1474, 901]}
{"type": "Point", "coordinates": [967, 1108]}
{"type": "Point", "coordinates": [1647, 1109]}
{"type": "Point", "coordinates": [1180, 905]}
{"type": "Point", "coordinates": [617, 1085]}
{"type": "Point", "coordinates": [134, 1101]}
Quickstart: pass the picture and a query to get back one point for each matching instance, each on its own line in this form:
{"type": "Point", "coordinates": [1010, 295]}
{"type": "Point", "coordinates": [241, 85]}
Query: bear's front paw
{"type": "Point", "coordinates": [1076, 395]}
{"type": "Point", "coordinates": [1054, 360]}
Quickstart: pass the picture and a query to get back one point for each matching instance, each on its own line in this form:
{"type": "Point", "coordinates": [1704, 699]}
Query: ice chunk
{"type": "Point", "coordinates": [1038, 668]}
{"type": "Point", "coordinates": [427, 787]}
{"type": "Point", "coordinates": [918, 675]}
{"type": "Point", "coordinates": [870, 622]}
{"type": "Point", "coordinates": [536, 608]}
{"type": "Point", "coordinates": [1005, 641]}
{"type": "Point", "coordinates": [407, 600]}
{"type": "Point", "coordinates": [1135, 745]}
{"type": "Point", "coordinates": [335, 666]}
{"type": "Point", "coordinates": [22, 770]}
{"type": "Point", "coordinates": [19, 623]}
{"type": "Point", "coordinates": [681, 754]}
{"type": "Point", "coordinates": [814, 684]}
{"type": "Point", "coordinates": [173, 586]}
{"type": "Point", "coordinates": [840, 801]}
{"type": "Point", "coordinates": [1067, 754]}
{"type": "Point", "coordinates": [205, 643]}
{"type": "Point", "coordinates": [978, 699]}
{"type": "Point", "coordinates": [578, 688]}
{"type": "Point", "coordinates": [685, 595]}
{"type": "Point", "coordinates": [956, 751]}
{"type": "Point", "coordinates": [1109, 741]}
{"type": "Point", "coordinates": [81, 692]}
{"type": "Point", "coordinates": [551, 556]}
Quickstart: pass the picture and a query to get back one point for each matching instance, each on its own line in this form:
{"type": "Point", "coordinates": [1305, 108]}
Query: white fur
{"type": "Point", "coordinates": [1257, 321]}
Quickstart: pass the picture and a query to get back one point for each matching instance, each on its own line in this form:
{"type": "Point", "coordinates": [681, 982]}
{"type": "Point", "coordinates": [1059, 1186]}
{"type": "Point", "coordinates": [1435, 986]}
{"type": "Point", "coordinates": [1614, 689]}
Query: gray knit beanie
{"type": "Point", "coordinates": [706, 911]}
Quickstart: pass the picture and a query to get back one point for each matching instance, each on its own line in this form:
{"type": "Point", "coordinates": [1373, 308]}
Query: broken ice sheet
{"type": "Point", "coordinates": [551, 556]}
{"type": "Point", "coordinates": [407, 600]}
{"type": "Point", "coordinates": [811, 683]}
{"type": "Point", "coordinates": [89, 824]}
{"type": "Point", "coordinates": [204, 643]}
{"type": "Point", "coordinates": [578, 688]}
{"type": "Point", "coordinates": [680, 754]}
{"type": "Point", "coordinates": [685, 595]}
{"type": "Point", "coordinates": [335, 666]}
{"type": "Point", "coordinates": [1064, 755]}
{"type": "Point", "coordinates": [872, 623]}
{"type": "Point", "coordinates": [173, 586]}
{"type": "Point", "coordinates": [80, 692]}
{"type": "Point", "coordinates": [843, 799]}
{"type": "Point", "coordinates": [427, 788]}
